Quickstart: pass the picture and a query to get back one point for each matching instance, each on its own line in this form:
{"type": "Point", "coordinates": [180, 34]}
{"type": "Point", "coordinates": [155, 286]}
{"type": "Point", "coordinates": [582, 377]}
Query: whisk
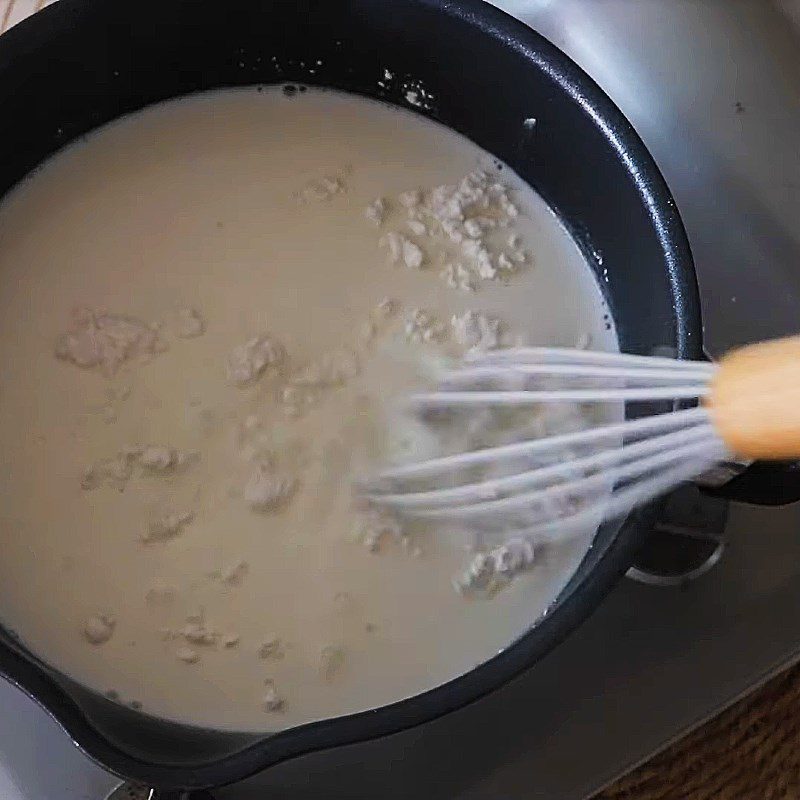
{"type": "Point", "coordinates": [747, 407]}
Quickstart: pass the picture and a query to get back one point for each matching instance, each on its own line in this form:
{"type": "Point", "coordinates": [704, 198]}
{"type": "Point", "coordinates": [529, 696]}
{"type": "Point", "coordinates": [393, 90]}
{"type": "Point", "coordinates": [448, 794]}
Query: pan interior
{"type": "Point", "coordinates": [223, 218]}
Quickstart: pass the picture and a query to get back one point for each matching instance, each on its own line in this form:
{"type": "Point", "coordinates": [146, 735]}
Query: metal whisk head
{"type": "Point", "coordinates": [578, 477]}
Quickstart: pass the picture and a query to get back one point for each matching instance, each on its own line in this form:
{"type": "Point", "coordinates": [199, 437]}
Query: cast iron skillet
{"type": "Point", "coordinates": [81, 63]}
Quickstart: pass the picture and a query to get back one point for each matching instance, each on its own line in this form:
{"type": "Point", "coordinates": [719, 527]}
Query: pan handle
{"type": "Point", "coordinates": [762, 483]}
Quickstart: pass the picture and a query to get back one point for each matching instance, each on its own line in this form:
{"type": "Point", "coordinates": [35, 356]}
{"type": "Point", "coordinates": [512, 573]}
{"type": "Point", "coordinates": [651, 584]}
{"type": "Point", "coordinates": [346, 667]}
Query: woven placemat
{"type": "Point", "coordinates": [750, 752]}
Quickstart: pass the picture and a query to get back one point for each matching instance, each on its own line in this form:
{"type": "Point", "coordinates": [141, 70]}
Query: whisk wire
{"type": "Point", "coordinates": [542, 485]}
{"type": "Point", "coordinates": [490, 371]}
{"type": "Point", "coordinates": [620, 503]}
{"type": "Point", "coordinates": [447, 399]}
{"type": "Point", "coordinates": [524, 355]}
{"type": "Point", "coordinates": [604, 480]}
{"type": "Point", "coordinates": [631, 428]}
{"type": "Point", "coordinates": [488, 489]}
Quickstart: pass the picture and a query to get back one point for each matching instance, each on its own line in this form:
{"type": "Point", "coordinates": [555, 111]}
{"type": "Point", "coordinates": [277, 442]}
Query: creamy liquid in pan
{"type": "Point", "coordinates": [224, 217]}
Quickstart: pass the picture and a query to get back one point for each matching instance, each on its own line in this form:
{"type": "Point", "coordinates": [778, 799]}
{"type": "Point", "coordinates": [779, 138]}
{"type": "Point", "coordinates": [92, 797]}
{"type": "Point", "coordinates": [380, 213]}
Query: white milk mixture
{"type": "Point", "coordinates": [203, 308]}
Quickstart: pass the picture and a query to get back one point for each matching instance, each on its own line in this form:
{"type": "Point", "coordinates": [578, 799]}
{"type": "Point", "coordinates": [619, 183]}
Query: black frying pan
{"type": "Point", "coordinates": [81, 63]}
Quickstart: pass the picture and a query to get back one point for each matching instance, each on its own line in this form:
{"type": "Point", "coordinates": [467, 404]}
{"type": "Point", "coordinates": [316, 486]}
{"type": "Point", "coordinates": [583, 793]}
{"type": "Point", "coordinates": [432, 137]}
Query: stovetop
{"type": "Point", "coordinates": [713, 88]}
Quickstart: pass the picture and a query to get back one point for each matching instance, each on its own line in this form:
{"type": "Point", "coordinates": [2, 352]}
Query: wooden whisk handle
{"type": "Point", "coordinates": [755, 400]}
